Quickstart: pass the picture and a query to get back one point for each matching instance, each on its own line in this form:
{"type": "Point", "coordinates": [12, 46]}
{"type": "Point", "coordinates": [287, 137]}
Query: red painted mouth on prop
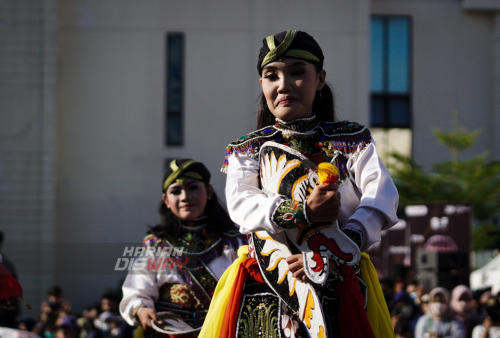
{"type": "Point", "coordinates": [319, 262]}
{"type": "Point", "coordinates": [317, 240]}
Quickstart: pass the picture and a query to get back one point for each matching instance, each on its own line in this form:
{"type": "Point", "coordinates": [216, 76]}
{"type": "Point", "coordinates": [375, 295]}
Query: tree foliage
{"type": "Point", "coordinates": [486, 236]}
{"type": "Point", "coordinates": [458, 139]}
{"type": "Point", "coordinates": [475, 180]}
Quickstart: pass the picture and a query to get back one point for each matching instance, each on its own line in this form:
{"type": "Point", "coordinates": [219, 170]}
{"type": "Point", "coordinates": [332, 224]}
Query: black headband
{"type": "Point", "coordinates": [295, 44]}
{"type": "Point", "coordinates": [181, 169]}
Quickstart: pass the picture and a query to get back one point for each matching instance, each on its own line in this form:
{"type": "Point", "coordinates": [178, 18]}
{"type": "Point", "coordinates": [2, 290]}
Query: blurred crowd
{"type": "Point", "coordinates": [420, 313]}
{"type": "Point", "coordinates": [57, 320]}
{"type": "Point", "coordinates": [415, 313]}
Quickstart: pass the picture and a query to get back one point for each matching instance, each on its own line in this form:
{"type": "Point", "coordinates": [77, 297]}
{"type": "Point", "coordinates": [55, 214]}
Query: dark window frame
{"type": "Point", "coordinates": [385, 96]}
{"type": "Point", "coordinates": [174, 90]}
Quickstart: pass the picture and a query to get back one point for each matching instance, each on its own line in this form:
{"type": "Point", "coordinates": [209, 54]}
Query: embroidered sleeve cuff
{"type": "Point", "coordinates": [290, 214]}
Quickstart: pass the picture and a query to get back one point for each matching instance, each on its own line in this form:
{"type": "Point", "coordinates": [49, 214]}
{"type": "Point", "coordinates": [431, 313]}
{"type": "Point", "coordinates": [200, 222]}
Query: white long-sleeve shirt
{"type": "Point", "coordinates": [369, 198]}
{"type": "Point", "coordinates": [142, 285]}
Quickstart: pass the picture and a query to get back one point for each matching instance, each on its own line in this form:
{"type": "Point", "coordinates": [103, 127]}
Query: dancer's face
{"type": "Point", "coordinates": [290, 87]}
{"type": "Point", "coordinates": [188, 200]}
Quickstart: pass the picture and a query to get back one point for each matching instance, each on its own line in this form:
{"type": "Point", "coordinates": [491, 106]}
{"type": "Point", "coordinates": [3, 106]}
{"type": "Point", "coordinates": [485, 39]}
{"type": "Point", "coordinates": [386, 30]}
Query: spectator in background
{"type": "Point", "coordinates": [9, 265]}
{"type": "Point", "coordinates": [403, 329]}
{"type": "Point", "coordinates": [109, 302]}
{"type": "Point", "coordinates": [55, 299]}
{"type": "Point", "coordinates": [68, 328]}
{"type": "Point", "coordinates": [484, 298]}
{"type": "Point", "coordinates": [109, 324]}
{"type": "Point", "coordinates": [8, 317]}
{"type": "Point", "coordinates": [403, 276]}
{"type": "Point", "coordinates": [491, 325]}
{"type": "Point", "coordinates": [439, 322]}
{"type": "Point", "coordinates": [404, 309]}
{"type": "Point", "coordinates": [424, 303]}
{"type": "Point", "coordinates": [387, 286]}
{"type": "Point", "coordinates": [86, 322]}
{"type": "Point", "coordinates": [42, 319]}
{"type": "Point", "coordinates": [26, 324]}
{"type": "Point", "coordinates": [54, 309]}
{"type": "Point", "coordinates": [461, 304]}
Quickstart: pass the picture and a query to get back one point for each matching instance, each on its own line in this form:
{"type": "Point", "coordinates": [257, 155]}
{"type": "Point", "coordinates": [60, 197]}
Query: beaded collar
{"type": "Point", "coordinates": [302, 125]}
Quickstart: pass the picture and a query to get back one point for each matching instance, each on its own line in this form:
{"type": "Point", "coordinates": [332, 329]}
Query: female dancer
{"type": "Point", "coordinates": [195, 226]}
{"type": "Point", "coordinates": [297, 112]}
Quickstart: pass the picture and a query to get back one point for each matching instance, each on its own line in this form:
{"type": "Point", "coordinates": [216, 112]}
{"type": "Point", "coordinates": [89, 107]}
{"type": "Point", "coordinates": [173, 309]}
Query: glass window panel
{"type": "Point", "coordinates": [377, 55]}
{"type": "Point", "coordinates": [175, 47]}
{"type": "Point", "coordinates": [377, 111]}
{"type": "Point", "coordinates": [398, 55]}
{"type": "Point", "coordinates": [399, 112]}
{"type": "Point", "coordinates": [175, 88]}
{"type": "Point", "coordinates": [174, 129]}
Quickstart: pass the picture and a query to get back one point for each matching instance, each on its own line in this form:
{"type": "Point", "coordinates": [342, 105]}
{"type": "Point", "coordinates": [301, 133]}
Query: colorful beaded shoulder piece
{"type": "Point", "coordinates": [344, 138]}
{"type": "Point", "coordinates": [334, 138]}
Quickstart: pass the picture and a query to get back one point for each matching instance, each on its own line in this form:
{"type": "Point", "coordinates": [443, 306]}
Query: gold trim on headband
{"type": "Point", "coordinates": [177, 169]}
{"type": "Point", "coordinates": [274, 51]}
{"type": "Point", "coordinates": [189, 174]}
{"type": "Point", "coordinates": [301, 54]}
{"type": "Point", "coordinates": [173, 166]}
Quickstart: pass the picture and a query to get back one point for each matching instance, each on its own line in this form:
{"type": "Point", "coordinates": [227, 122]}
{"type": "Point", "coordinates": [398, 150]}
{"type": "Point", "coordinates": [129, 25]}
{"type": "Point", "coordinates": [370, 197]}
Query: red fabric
{"type": "Point", "coordinates": [163, 335]}
{"type": "Point", "coordinates": [249, 267]}
{"type": "Point", "coordinates": [252, 268]}
{"type": "Point", "coordinates": [9, 286]}
{"type": "Point", "coordinates": [353, 321]}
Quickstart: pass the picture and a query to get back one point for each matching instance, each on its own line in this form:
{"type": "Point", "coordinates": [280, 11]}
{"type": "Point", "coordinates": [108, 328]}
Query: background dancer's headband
{"type": "Point", "coordinates": [295, 44]}
{"type": "Point", "coordinates": [181, 169]}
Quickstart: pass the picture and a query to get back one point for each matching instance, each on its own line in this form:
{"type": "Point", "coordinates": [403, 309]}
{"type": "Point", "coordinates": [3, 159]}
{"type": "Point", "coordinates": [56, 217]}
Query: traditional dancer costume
{"type": "Point", "coordinates": [346, 301]}
{"type": "Point", "coordinates": [180, 271]}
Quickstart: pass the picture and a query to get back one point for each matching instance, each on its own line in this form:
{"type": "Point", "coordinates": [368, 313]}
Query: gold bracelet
{"type": "Point", "coordinates": [136, 309]}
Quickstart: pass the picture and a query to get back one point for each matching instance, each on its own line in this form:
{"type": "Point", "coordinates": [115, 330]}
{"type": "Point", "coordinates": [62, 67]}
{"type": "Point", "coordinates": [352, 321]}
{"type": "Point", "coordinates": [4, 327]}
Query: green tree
{"type": "Point", "coordinates": [458, 139]}
{"type": "Point", "coordinates": [486, 236]}
{"type": "Point", "coordinates": [474, 180]}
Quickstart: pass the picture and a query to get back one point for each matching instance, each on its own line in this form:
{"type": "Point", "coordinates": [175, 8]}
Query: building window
{"type": "Point", "coordinates": [390, 72]}
{"type": "Point", "coordinates": [174, 89]}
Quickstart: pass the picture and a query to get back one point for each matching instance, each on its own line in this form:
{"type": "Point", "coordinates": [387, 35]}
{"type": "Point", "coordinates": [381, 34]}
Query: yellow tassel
{"type": "Point", "coordinates": [327, 172]}
{"type": "Point", "coordinates": [27, 305]}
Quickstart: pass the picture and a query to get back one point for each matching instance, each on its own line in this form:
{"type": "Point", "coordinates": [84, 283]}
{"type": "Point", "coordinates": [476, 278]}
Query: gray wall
{"type": "Point", "coordinates": [27, 129]}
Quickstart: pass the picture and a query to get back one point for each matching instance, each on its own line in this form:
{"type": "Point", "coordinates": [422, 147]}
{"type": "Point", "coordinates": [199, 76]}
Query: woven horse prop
{"type": "Point", "coordinates": [287, 172]}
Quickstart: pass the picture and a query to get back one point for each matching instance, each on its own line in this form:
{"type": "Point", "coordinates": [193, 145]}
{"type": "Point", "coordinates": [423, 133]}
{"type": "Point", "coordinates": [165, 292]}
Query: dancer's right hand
{"type": "Point", "coordinates": [296, 267]}
{"type": "Point", "coordinates": [323, 205]}
{"type": "Point", "coordinates": [145, 315]}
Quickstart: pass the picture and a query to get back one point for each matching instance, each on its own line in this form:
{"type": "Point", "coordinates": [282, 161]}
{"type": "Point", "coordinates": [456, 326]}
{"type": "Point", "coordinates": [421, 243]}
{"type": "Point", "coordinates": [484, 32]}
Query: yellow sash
{"type": "Point", "coordinates": [213, 322]}
{"type": "Point", "coordinates": [377, 311]}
